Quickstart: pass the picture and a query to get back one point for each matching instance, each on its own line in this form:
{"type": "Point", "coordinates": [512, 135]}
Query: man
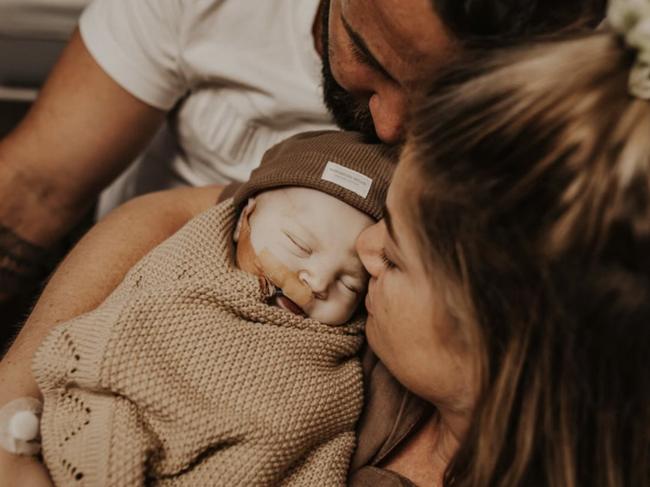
{"type": "Point", "coordinates": [244, 66]}
{"type": "Point", "coordinates": [86, 127]}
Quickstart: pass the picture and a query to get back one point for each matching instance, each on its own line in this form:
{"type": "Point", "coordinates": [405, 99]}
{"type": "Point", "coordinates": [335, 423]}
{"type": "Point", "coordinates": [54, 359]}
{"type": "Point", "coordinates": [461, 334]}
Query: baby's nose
{"type": "Point", "coordinates": [318, 283]}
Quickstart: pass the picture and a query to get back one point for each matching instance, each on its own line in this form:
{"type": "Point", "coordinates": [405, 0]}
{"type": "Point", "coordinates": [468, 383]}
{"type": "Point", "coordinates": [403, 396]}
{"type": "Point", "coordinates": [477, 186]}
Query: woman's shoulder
{"type": "Point", "coordinates": [371, 476]}
{"type": "Point", "coordinates": [390, 413]}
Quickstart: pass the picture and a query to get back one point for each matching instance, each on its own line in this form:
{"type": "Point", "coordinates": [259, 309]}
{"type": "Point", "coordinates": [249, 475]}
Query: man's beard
{"type": "Point", "coordinates": [349, 113]}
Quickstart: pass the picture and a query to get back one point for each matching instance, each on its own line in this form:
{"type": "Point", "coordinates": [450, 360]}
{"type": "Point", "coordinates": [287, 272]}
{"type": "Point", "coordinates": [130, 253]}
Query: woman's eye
{"type": "Point", "coordinates": [389, 264]}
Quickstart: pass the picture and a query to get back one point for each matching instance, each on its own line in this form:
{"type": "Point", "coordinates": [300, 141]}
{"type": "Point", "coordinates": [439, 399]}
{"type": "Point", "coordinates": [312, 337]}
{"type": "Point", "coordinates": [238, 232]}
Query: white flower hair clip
{"type": "Point", "coordinates": [631, 19]}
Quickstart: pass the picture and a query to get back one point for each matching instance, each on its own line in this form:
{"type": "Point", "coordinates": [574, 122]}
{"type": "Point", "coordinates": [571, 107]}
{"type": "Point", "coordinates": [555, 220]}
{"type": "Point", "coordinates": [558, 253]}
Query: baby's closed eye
{"type": "Point", "coordinates": [351, 286]}
{"type": "Point", "coordinates": [300, 248]}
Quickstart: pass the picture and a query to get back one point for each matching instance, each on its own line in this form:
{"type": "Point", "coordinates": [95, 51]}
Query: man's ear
{"type": "Point", "coordinates": [243, 218]}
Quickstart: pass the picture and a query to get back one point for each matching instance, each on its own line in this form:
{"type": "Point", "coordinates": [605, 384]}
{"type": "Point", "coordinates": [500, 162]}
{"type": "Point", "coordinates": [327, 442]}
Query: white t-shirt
{"type": "Point", "coordinates": [240, 76]}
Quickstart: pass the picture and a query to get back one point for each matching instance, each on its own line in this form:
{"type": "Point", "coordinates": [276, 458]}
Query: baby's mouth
{"type": "Point", "coordinates": [285, 303]}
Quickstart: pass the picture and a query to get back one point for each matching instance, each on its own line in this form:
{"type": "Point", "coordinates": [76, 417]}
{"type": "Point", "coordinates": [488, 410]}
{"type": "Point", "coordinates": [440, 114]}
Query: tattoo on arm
{"type": "Point", "coordinates": [22, 264]}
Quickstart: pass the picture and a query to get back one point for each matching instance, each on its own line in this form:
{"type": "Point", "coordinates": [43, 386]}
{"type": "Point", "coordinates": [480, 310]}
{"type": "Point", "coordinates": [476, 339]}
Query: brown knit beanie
{"type": "Point", "coordinates": [341, 164]}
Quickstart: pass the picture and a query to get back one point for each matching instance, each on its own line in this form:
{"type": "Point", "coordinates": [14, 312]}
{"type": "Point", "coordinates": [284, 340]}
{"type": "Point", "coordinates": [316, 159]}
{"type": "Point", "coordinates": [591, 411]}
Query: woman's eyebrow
{"type": "Point", "coordinates": [389, 224]}
{"type": "Point", "coordinates": [394, 242]}
{"type": "Point", "coordinates": [363, 49]}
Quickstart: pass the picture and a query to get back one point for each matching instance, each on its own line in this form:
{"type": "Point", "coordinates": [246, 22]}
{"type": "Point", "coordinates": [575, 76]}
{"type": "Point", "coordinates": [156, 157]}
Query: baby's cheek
{"type": "Point", "coordinates": [286, 279]}
{"type": "Point", "coordinates": [334, 311]}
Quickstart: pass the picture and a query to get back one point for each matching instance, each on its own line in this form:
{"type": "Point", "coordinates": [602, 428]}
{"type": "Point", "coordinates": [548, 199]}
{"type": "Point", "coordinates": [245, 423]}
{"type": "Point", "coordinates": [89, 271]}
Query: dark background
{"type": "Point", "coordinates": [13, 313]}
{"type": "Point", "coordinates": [32, 35]}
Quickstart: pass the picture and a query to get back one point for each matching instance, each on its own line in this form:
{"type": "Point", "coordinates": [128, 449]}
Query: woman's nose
{"type": "Point", "coordinates": [369, 248]}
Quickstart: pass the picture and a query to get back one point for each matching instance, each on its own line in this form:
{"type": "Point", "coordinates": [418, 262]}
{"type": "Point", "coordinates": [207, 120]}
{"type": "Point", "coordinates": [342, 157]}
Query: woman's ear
{"type": "Point", "coordinates": [243, 218]}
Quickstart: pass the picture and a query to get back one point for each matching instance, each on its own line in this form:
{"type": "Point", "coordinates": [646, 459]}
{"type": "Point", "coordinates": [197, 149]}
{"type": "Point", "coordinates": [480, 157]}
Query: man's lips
{"type": "Point", "coordinates": [285, 303]}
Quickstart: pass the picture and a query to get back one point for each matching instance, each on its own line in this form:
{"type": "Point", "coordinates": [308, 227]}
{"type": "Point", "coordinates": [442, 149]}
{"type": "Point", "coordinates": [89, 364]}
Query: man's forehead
{"type": "Point", "coordinates": [404, 35]}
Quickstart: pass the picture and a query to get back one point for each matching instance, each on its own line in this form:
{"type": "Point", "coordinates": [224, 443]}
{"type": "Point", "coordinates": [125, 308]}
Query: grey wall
{"type": "Point", "coordinates": [32, 35]}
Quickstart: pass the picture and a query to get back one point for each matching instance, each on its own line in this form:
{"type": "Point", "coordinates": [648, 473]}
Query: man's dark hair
{"type": "Point", "coordinates": [483, 23]}
{"type": "Point", "coordinates": [508, 20]}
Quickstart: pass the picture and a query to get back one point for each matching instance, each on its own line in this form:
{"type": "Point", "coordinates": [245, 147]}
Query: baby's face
{"type": "Point", "coordinates": [311, 236]}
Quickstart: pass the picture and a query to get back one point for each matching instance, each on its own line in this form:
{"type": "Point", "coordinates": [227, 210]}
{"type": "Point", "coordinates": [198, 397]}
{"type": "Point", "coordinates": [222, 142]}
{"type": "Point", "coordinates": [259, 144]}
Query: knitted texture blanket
{"type": "Point", "coordinates": [184, 376]}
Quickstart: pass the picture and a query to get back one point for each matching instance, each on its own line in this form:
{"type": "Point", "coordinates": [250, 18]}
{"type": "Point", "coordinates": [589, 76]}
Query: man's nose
{"type": "Point", "coordinates": [368, 247]}
{"type": "Point", "coordinates": [388, 112]}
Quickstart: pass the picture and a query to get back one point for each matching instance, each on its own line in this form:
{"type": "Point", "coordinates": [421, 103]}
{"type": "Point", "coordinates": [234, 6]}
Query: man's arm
{"type": "Point", "coordinates": [88, 274]}
{"type": "Point", "coordinates": [82, 131]}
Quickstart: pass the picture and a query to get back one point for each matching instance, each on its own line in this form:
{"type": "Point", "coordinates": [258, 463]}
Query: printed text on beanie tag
{"type": "Point", "coordinates": [347, 178]}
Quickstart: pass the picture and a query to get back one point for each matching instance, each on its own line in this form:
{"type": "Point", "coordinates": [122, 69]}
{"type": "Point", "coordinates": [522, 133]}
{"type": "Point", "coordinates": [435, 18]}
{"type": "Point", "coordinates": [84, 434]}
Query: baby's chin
{"type": "Point", "coordinates": [328, 318]}
{"type": "Point", "coordinates": [282, 301]}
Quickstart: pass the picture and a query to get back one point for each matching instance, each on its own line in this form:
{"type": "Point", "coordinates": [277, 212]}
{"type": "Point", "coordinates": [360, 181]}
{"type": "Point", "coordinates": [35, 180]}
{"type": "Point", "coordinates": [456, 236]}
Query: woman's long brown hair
{"type": "Point", "coordinates": [534, 177]}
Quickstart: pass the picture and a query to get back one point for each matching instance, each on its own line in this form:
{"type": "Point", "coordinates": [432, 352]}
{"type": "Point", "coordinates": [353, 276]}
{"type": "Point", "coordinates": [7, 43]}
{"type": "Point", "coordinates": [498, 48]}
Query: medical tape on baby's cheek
{"type": "Point", "coordinates": [292, 287]}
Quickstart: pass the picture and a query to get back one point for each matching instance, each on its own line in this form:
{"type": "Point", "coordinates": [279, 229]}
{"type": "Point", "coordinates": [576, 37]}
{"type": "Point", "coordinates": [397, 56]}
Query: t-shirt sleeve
{"type": "Point", "coordinates": [138, 43]}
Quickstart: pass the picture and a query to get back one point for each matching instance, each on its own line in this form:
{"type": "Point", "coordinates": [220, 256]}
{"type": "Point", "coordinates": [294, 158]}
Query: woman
{"type": "Point", "coordinates": [510, 277]}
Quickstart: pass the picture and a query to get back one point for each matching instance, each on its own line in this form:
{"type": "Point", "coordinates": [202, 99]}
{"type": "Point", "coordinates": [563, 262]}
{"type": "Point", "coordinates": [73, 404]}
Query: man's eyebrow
{"type": "Point", "coordinates": [364, 51]}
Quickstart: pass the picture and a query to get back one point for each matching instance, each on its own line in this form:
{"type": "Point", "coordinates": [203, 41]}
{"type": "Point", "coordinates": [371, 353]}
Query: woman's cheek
{"type": "Point", "coordinates": [380, 287]}
{"type": "Point", "coordinates": [391, 294]}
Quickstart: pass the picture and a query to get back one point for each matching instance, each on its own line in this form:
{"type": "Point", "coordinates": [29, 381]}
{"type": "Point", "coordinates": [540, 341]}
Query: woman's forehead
{"type": "Point", "coordinates": [401, 204]}
{"type": "Point", "coordinates": [403, 187]}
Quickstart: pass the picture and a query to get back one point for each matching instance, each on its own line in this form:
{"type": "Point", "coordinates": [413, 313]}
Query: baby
{"type": "Point", "coordinates": [302, 214]}
{"type": "Point", "coordinates": [302, 241]}
{"type": "Point", "coordinates": [227, 356]}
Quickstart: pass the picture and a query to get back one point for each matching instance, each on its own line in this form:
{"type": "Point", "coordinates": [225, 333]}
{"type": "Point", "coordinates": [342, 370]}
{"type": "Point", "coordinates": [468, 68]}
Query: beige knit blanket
{"type": "Point", "coordinates": [184, 376]}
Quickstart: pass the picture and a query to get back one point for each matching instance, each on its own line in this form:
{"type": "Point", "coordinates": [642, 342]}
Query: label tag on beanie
{"type": "Point", "coordinates": [347, 178]}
